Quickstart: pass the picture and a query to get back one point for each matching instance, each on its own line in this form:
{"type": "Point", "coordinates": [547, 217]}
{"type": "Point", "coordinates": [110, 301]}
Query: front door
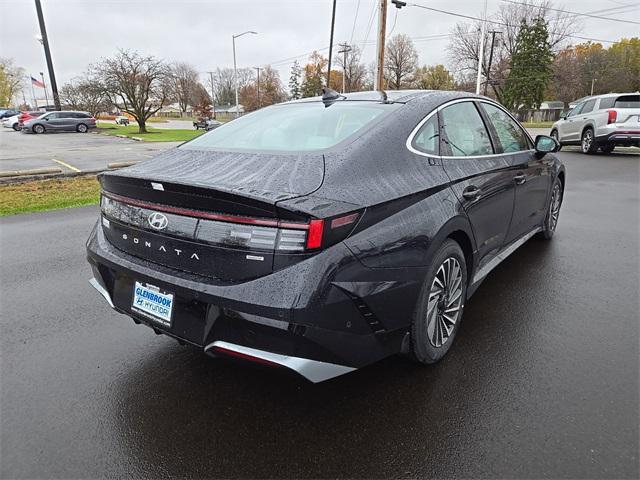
{"type": "Point", "coordinates": [482, 180]}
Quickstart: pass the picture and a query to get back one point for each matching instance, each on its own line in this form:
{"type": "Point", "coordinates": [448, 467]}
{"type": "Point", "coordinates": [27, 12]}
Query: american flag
{"type": "Point", "coordinates": [37, 83]}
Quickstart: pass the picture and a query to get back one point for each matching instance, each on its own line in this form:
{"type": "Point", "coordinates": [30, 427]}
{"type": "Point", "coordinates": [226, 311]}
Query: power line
{"type": "Point", "coordinates": [578, 14]}
{"type": "Point", "coordinates": [355, 20]}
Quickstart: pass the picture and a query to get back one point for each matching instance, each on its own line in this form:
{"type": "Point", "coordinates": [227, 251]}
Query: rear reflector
{"type": "Point", "coordinates": [342, 221]}
{"type": "Point", "coordinates": [314, 236]}
{"type": "Point", "coordinates": [613, 116]}
{"type": "Point", "coordinates": [244, 356]}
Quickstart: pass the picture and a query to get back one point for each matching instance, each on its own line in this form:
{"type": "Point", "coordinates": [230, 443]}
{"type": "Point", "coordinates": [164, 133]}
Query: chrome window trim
{"type": "Point", "coordinates": [417, 128]}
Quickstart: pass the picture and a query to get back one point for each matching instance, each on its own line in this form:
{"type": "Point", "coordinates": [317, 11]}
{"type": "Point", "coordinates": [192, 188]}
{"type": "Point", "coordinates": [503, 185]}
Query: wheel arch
{"type": "Point", "coordinates": [592, 127]}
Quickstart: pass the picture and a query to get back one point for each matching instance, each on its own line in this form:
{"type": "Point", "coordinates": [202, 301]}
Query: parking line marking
{"type": "Point", "coordinates": [65, 164]}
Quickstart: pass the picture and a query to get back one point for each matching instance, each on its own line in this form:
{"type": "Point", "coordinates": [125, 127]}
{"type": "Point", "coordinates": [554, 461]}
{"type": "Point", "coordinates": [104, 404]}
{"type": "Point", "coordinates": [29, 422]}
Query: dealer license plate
{"type": "Point", "coordinates": [153, 303]}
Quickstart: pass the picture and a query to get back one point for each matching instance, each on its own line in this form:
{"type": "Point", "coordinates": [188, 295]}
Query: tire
{"type": "Point", "coordinates": [438, 312]}
{"type": "Point", "coordinates": [608, 148]}
{"type": "Point", "coordinates": [37, 128]}
{"type": "Point", "coordinates": [82, 128]}
{"type": "Point", "coordinates": [554, 135]}
{"type": "Point", "coordinates": [588, 141]}
{"type": "Point", "coordinates": [16, 127]}
{"type": "Point", "coordinates": [553, 212]}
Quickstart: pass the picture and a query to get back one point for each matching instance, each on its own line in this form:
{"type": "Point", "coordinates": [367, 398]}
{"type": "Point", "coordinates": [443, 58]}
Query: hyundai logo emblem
{"type": "Point", "coordinates": [158, 221]}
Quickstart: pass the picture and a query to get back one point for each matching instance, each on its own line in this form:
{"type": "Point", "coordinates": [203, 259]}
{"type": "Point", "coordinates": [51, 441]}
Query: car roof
{"type": "Point", "coordinates": [395, 96]}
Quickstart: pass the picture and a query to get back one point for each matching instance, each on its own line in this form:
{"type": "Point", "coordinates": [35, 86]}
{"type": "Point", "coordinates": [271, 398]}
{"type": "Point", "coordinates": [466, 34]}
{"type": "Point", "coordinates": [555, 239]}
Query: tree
{"type": "Point", "coordinates": [566, 77]}
{"type": "Point", "coordinates": [530, 67]}
{"type": "Point", "coordinates": [624, 59]}
{"type": "Point", "coordinates": [353, 69]}
{"type": "Point", "coordinates": [464, 45]}
{"type": "Point", "coordinates": [136, 84]}
{"type": "Point", "coordinates": [224, 84]}
{"type": "Point", "coordinates": [294, 81]}
{"type": "Point", "coordinates": [271, 91]}
{"type": "Point", "coordinates": [201, 101]}
{"type": "Point", "coordinates": [400, 61]}
{"type": "Point", "coordinates": [84, 94]}
{"type": "Point", "coordinates": [183, 78]}
{"type": "Point", "coordinates": [435, 77]}
{"type": "Point", "coordinates": [10, 80]}
{"type": "Point", "coordinates": [314, 75]}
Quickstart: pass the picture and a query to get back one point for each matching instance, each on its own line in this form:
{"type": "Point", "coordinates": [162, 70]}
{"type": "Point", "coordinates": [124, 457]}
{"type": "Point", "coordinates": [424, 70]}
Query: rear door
{"type": "Point", "coordinates": [530, 173]}
{"type": "Point", "coordinates": [481, 179]}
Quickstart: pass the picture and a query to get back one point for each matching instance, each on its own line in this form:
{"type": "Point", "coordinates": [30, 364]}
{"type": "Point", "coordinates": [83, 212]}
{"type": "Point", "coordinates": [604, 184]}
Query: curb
{"type": "Point", "coordinates": [33, 171]}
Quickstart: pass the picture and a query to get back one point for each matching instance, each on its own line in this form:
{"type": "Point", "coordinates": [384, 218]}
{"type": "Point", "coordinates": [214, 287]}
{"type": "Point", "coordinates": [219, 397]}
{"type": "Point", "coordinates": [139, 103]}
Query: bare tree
{"type": "Point", "coordinates": [184, 79]}
{"type": "Point", "coordinates": [224, 84]}
{"type": "Point", "coordinates": [400, 61]}
{"type": "Point", "coordinates": [464, 47]}
{"type": "Point", "coordinates": [134, 84]}
{"type": "Point", "coordinates": [355, 71]}
{"type": "Point", "coordinates": [84, 94]}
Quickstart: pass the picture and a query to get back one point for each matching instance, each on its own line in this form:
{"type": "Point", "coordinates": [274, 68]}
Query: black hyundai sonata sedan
{"type": "Point", "coordinates": [324, 234]}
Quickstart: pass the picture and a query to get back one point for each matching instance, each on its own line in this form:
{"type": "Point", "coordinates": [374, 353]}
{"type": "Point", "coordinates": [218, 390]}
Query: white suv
{"type": "Point", "coordinates": [601, 121]}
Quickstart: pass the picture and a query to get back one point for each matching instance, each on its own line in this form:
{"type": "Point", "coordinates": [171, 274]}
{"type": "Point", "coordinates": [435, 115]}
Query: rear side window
{"type": "Point", "coordinates": [607, 102]}
{"type": "Point", "coordinates": [628, 101]}
{"type": "Point", "coordinates": [293, 127]}
{"type": "Point", "coordinates": [464, 131]}
{"type": "Point", "coordinates": [512, 138]}
{"type": "Point", "coordinates": [588, 106]}
{"type": "Point", "coordinates": [576, 110]}
{"type": "Point", "coordinates": [427, 139]}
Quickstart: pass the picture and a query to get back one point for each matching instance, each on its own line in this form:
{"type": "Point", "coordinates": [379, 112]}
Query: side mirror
{"type": "Point", "coordinates": [545, 144]}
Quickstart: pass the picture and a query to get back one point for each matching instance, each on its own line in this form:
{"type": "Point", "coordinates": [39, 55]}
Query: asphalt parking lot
{"type": "Point", "coordinates": [541, 383]}
{"type": "Point", "coordinates": [71, 151]}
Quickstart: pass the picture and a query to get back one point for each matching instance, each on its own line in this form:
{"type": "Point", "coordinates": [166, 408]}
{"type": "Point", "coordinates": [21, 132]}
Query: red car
{"type": "Point", "coordinates": [25, 116]}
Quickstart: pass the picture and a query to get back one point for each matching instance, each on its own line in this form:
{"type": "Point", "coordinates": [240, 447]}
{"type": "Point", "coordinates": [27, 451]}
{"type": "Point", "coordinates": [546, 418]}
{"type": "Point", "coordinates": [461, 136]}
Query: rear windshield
{"type": "Point", "coordinates": [628, 101]}
{"type": "Point", "coordinates": [293, 127]}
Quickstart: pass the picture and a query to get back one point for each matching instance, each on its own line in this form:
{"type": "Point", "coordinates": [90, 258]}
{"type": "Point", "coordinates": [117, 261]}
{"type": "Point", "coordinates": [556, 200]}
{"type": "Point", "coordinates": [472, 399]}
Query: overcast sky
{"type": "Point", "coordinates": [199, 32]}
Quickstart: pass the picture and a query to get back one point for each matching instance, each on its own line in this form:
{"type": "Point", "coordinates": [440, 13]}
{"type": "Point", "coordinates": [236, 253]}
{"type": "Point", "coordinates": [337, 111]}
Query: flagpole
{"type": "Point", "coordinates": [44, 86]}
{"type": "Point", "coordinates": [33, 94]}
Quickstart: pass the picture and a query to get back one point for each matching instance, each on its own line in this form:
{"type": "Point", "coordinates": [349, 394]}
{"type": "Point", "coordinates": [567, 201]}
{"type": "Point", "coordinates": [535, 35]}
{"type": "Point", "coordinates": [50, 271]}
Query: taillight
{"type": "Point", "coordinates": [613, 116]}
{"type": "Point", "coordinates": [236, 231]}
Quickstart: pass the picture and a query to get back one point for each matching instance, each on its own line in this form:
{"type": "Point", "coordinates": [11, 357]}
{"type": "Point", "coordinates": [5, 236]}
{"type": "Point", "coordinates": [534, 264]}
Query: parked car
{"type": "Point", "coordinates": [60, 121]}
{"type": "Point", "coordinates": [12, 122]}
{"type": "Point", "coordinates": [29, 115]}
{"type": "Point", "coordinates": [206, 124]}
{"type": "Point", "coordinates": [122, 120]}
{"type": "Point", "coordinates": [602, 121]}
{"type": "Point", "coordinates": [8, 112]}
{"type": "Point", "coordinates": [324, 234]}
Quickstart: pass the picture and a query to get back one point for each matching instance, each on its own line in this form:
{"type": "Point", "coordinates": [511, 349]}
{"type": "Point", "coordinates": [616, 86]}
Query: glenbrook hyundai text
{"type": "Point", "coordinates": [324, 234]}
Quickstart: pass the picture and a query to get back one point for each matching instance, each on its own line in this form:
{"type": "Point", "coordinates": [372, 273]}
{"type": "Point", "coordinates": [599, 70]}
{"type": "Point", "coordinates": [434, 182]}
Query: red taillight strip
{"type": "Point", "coordinates": [206, 215]}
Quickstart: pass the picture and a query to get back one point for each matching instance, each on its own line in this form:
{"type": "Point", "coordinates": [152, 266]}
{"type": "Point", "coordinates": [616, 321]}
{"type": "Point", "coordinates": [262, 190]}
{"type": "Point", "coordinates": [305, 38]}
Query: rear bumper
{"type": "Point", "coordinates": [295, 318]}
{"type": "Point", "coordinates": [625, 138]}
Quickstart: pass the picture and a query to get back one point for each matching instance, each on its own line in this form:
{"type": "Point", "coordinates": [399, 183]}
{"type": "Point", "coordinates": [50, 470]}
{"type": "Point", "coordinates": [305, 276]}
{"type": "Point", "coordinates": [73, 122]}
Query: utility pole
{"type": "Point", "coordinates": [47, 54]}
{"type": "Point", "coordinates": [333, 22]}
{"type": "Point", "coordinates": [493, 41]}
{"type": "Point", "coordinates": [382, 29]}
{"type": "Point", "coordinates": [593, 81]}
{"type": "Point", "coordinates": [45, 90]}
{"type": "Point", "coordinates": [346, 48]}
{"type": "Point", "coordinates": [258, 70]}
{"type": "Point", "coordinates": [481, 49]}
{"type": "Point", "coordinates": [213, 96]}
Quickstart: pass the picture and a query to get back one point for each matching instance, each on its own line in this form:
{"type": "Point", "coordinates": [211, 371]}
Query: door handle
{"type": "Point", "coordinates": [520, 178]}
{"type": "Point", "coordinates": [471, 192]}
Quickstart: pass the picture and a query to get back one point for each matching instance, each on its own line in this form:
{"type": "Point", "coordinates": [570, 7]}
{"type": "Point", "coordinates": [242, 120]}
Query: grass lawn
{"type": "Point", "coordinates": [537, 124]}
{"type": "Point", "coordinates": [152, 135]}
{"type": "Point", "coordinates": [41, 195]}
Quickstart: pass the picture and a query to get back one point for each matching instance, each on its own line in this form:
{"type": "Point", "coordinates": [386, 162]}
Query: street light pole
{"type": "Point", "coordinates": [47, 54]}
{"type": "Point", "coordinates": [235, 67]}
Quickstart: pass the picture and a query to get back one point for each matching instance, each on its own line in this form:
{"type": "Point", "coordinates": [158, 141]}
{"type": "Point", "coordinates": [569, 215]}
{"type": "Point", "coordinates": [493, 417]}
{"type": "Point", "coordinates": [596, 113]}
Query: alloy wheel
{"type": "Point", "coordinates": [587, 140]}
{"type": "Point", "coordinates": [82, 128]}
{"type": "Point", "coordinates": [38, 129]}
{"type": "Point", "coordinates": [445, 302]}
{"type": "Point", "coordinates": [554, 207]}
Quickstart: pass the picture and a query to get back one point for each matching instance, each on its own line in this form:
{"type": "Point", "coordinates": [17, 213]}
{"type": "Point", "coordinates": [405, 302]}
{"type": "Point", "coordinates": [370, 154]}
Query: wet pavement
{"type": "Point", "coordinates": [542, 380]}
